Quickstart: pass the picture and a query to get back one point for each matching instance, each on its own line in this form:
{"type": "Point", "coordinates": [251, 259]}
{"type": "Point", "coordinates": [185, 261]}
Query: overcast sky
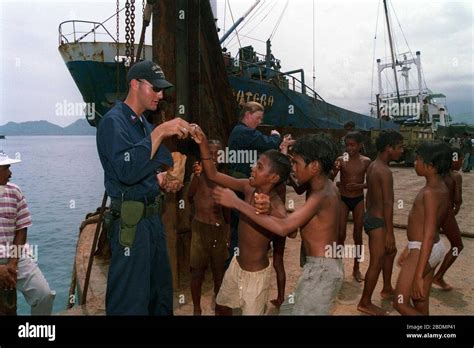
{"type": "Point", "coordinates": [34, 78]}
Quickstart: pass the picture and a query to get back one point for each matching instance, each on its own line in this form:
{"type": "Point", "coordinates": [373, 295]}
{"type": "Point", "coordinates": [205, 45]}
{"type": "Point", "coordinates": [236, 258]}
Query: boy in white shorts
{"type": "Point", "coordinates": [428, 213]}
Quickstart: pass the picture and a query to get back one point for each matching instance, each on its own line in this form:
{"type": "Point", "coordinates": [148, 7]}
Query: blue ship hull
{"type": "Point", "coordinates": [287, 108]}
{"type": "Point", "coordinates": [101, 82]}
{"type": "Point", "coordinates": [97, 82]}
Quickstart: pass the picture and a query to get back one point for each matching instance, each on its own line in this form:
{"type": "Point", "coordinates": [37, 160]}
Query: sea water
{"type": "Point", "coordinates": [62, 180]}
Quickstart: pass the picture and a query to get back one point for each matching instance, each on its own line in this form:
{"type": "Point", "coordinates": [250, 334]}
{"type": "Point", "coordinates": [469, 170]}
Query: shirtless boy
{"type": "Point", "coordinates": [246, 282]}
{"type": "Point", "coordinates": [322, 277]}
{"type": "Point", "coordinates": [426, 250]}
{"type": "Point", "coordinates": [210, 231]}
{"type": "Point", "coordinates": [353, 167]}
{"type": "Point", "coordinates": [279, 242]}
{"type": "Point", "coordinates": [378, 220]}
{"type": "Point", "coordinates": [450, 228]}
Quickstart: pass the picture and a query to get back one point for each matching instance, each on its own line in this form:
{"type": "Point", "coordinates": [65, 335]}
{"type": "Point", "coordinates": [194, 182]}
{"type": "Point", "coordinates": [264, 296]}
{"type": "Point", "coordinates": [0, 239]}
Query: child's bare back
{"type": "Point", "coordinates": [379, 177]}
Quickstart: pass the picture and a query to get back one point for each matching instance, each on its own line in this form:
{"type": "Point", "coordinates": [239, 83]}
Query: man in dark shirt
{"type": "Point", "coordinates": [245, 136]}
{"type": "Point", "coordinates": [139, 279]}
{"type": "Point", "coordinates": [466, 149]}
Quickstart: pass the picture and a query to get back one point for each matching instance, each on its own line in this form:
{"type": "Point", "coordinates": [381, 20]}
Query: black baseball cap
{"type": "Point", "coordinates": [150, 71]}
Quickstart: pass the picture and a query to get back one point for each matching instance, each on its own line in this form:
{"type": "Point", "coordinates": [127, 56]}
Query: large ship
{"type": "Point", "coordinates": [210, 90]}
{"type": "Point", "coordinates": [418, 110]}
{"type": "Point", "coordinates": [413, 105]}
{"type": "Point", "coordinates": [99, 71]}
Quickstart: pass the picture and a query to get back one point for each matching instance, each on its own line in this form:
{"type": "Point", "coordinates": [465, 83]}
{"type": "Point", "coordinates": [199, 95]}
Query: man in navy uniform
{"type": "Point", "coordinates": [131, 152]}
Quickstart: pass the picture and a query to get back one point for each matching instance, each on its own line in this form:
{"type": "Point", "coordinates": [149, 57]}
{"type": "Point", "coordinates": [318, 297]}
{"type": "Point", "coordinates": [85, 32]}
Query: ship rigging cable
{"type": "Point", "coordinates": [233, 21]}
{"type": "Point", "coordinates": [100, 24]}
{"type": "Point", "coordinates": [261, 9]}
{"type": "Point", "coordinates": [406, 41]}
{"type": "Point", "coordinates": [263, 18]}
{"type": "Point", "coordinates": [388, 80]}
{"type": "Point", "coordinates": [225, 13]}
{"type": "Point", "coordinates": [314, 53]}
{"type": "Point", "coordinates": [253, 15]}
{"type": "Point", "coordinates": [143, 21]}
{"type": "Point", "coordinates": [279, 21]}
{"type": "Point", "coordinates": [385, 51]}
{"type": "Point", "coordinates": [254, 12]}
{"type": "Point", "coordinates": [373, 55]}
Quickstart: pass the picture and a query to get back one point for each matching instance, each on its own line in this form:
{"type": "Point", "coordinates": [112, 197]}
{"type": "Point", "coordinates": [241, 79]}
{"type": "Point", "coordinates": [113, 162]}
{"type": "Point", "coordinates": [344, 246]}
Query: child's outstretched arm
{"type": "Point", "coordinates": [279, 226]}
{"type": "Point", "coordinates": [457, 193]}
{"type": "Point", "coordinates": [209, 167]}
{"type": "Point", "coordinates": [388, 200]}
{"type": "Point", "coordinates": [193, 186]}
{"type": "Point", "coordinates": [336, 168]}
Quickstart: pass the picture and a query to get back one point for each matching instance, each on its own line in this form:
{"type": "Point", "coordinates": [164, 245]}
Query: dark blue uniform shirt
{"type": "Point", "coordinates": [124, 146]}
{"type": "Point", "coordinates": [246, 138]}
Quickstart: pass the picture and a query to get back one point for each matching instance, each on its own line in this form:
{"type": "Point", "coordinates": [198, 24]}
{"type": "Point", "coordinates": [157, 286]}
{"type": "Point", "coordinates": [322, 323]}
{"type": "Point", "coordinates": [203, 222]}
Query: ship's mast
{"type": "Point", "coordinates": [394, 63]}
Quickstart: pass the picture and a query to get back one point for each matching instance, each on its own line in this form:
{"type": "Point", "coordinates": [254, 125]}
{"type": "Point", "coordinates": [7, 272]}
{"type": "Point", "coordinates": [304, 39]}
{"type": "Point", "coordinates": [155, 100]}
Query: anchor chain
{"type": "Point", "coordinates": [132, 31]}
{"type": "Point", "coordinates": [127, 29]}
{"type": "Point", "coordinates": [143, 17]}
{"type": "Point", "coordinates": [117, 62]}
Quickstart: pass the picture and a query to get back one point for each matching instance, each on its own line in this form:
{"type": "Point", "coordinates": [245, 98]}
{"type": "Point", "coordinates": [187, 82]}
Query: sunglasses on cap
{"type": "Point", "coordinates": [154, 88]}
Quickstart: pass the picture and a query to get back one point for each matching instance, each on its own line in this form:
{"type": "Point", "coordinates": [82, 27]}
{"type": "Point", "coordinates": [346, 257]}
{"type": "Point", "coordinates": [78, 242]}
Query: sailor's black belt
{"type": "Point", "coordinates": [153, 207]}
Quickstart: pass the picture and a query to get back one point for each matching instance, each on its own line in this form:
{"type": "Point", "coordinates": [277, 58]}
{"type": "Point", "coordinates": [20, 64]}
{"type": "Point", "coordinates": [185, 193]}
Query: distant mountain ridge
{"type": "Point", "coordinates": [80, 127]}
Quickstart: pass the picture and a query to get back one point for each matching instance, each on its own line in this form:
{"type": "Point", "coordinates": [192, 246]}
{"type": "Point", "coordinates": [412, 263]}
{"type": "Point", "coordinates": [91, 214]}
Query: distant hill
{"type": "Point", "coordinates": [80, 127]}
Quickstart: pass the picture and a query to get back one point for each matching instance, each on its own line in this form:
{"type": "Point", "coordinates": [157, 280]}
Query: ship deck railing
{"type": "Point", "coordinates": [299, 86]}
{"type": "Point", "coordinates": [296, 84]}
{"type": "Point", "coordinates": [411, 93]}
{"type": "Point", "coordinates": [81, 30]}
{"type": "Point", "coordinates": [400, 58]}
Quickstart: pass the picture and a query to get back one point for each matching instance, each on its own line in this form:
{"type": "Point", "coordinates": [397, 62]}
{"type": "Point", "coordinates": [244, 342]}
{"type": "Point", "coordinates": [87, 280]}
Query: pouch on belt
{"type": "Point", "coordinates": [131, 213]}
{"type": "Point", "coordinates": [108, 222]}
